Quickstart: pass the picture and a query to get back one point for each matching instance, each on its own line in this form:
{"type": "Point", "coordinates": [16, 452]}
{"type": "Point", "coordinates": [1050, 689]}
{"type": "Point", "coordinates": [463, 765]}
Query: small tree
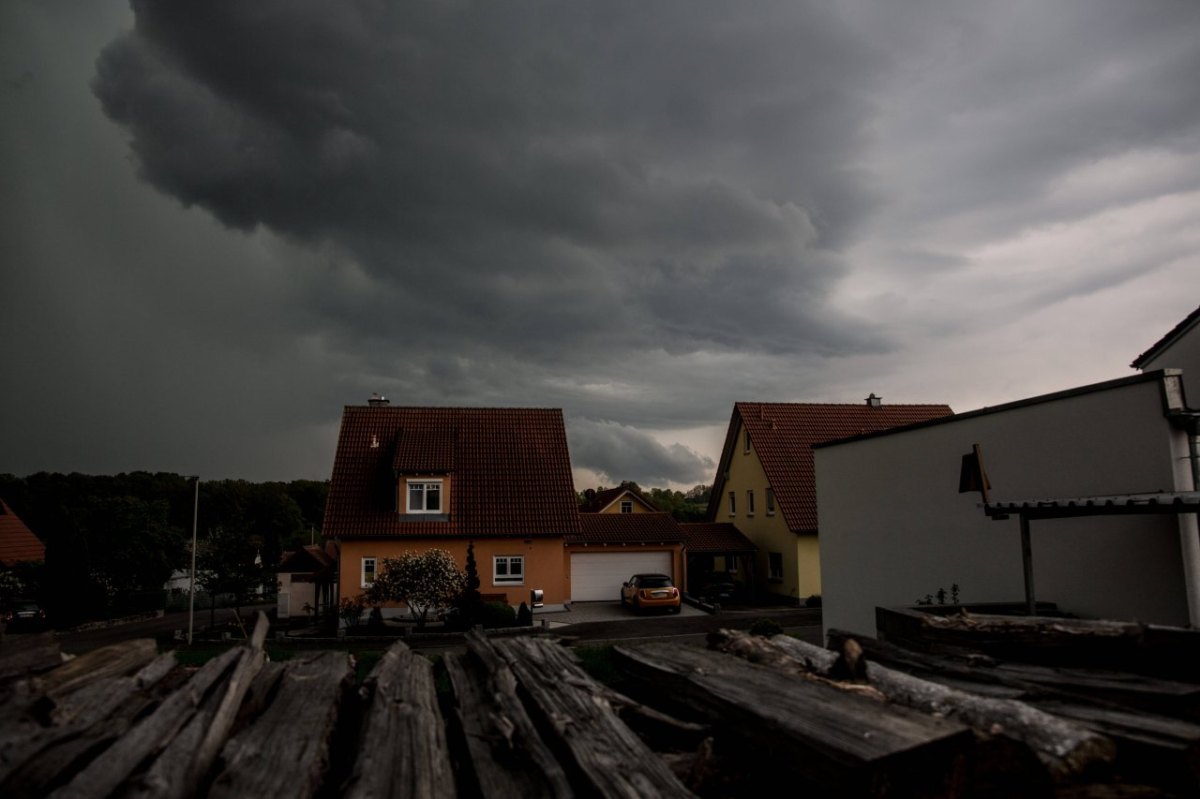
{"type": "Point", "coordinates": [424, 581]}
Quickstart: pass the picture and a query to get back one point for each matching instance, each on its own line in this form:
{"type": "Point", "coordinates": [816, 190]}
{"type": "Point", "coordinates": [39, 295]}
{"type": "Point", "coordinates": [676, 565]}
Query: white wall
{"type": "Point", "coordinates": [894, 528]}
{"type": "Point", "coordinates": [1184, 353]}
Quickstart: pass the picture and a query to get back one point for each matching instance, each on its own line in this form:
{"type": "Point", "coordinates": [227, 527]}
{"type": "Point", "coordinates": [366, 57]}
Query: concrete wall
{"type": "Point", "coordinates": [1183, 353]}
{"type": "Point", "coordinates": [894, 528]}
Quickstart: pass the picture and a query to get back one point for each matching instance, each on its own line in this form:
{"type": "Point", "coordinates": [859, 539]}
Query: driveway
{"type": "Point", "coordinates": [580, 612]}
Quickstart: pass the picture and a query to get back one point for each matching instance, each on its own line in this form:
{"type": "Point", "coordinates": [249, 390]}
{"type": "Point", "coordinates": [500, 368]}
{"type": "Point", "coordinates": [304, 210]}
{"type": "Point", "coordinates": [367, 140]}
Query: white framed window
{"type": "Point", "coordinates": [424, 496]}
{"type": "Point", "coordinates": [732, 503]}
{"type": "Point", "coordinates": [775, 566]}
{"type": "Point", "coordinates": [627, 506]}
{"type": "Point", "coordinates": [750, 502]}
{"type": "Point", "coordinates": [770, 501]}
{"type": "Point", "coordinates": [508, 570]}
{"type": "Point", "coordinates": [369, 566]}
{"type": "Point", "coordinates": [731, 564]}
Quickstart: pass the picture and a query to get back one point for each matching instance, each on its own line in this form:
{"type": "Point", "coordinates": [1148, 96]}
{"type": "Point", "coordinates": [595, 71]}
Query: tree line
{"type": "Point", "coordinates": [113, 541]}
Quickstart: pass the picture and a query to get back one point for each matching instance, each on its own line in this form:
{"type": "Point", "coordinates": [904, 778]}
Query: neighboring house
{"type": "Point", "coordinates": [307, 581]}
{"type": "Point", "coordinates": [765, 480]}
{"type": "Point", "coordinates": [1178, 349]}
{"type": "Point", "coordinates": [622, 499]}
{"type": "Point", "coordinates": [894, 527]}
{"type": "Point", "coordinates": [611, 547]}
{"type": "Point", "coordinates": [717, 552]}
{"type": "Point", "coordinates": [418, 478]}
{"type": "Point", "coordinates": [18, 544]}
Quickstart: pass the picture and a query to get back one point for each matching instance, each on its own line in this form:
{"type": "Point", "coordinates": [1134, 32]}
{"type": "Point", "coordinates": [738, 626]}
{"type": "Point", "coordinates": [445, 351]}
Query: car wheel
{"type": "Point", "coordinates": [622, 599]}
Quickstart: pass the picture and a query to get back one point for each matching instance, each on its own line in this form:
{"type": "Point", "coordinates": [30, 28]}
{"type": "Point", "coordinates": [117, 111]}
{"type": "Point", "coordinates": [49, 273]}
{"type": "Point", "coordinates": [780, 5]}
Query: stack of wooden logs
{"type": "Point", "coordinates": [519, 717]}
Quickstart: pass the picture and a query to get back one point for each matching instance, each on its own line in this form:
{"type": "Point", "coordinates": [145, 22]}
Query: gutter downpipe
{"type": "Point", "coordinates": [1189, 523]}
{"type": "Point", "coordinates": [1188, 421]}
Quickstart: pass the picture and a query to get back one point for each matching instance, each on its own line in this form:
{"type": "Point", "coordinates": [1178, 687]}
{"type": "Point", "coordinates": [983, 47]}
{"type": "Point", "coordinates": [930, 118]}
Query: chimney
{"type": "Point", "coordinates": [874, 401]}
{"type": "Point", "coordinates": [377, 400]}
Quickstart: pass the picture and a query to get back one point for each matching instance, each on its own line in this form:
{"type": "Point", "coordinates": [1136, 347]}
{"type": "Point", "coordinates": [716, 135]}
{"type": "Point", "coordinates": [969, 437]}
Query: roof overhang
{"type": "Point", "coordinates": [1167, 502]}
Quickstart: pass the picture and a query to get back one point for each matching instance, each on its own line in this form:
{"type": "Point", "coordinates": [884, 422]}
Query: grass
{"type": "Point", "coordinates": [599, 663]}
{"type": "Point", "coordinates": [365, 659]}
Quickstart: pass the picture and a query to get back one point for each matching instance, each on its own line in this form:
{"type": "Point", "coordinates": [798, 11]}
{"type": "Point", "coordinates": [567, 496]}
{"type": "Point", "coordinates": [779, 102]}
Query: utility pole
{"type": "Point", "coordinates": [192, 587]}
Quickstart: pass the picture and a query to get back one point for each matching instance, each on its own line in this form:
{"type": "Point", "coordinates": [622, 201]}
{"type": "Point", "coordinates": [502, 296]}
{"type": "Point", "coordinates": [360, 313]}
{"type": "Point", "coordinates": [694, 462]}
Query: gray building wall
{"type": "Point", "coordinates": [894, 528]}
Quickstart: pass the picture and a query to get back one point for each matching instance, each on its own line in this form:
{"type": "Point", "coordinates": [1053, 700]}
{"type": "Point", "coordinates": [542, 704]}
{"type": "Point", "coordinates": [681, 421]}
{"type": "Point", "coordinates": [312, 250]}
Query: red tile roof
{"type": "Point", "coordinates": [510, 472]}
{"type": "Point", "coordinates": [17, 542]}
{"type": "Point", "coordinates": [1172, 334]}
{"type": "Point", "coordinates": [602, 499]}
{"type": "Point", "coordinates": [782, 435]}
{"type": "Point", "coordinates": [307, 559]}
{"type": "Point", "coordinates": [626, 528]}
{"type": "Point", "coordinates": [715, 538]}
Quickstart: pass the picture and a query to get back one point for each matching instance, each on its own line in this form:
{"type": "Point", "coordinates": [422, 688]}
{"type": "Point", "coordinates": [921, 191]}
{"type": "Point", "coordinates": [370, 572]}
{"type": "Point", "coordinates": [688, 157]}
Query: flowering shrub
{"type": "Point", "coordinates": [350, 610]}
{"type": "Point", "coordinates": [424, 581]}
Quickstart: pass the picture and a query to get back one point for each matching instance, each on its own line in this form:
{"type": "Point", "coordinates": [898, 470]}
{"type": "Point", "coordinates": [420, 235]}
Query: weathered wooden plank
{"type": "Point", "coordinates": [25, 655]}
{"type": "Point", "coordinates": [1068, 749]}
{"type": "Point", "coordinates": [114, 660]}
{"type": "Point", "coordinates": [151, 734]}
{"type": "Point", "coordinates": [609, 755]}
{"type": "Point", "coordinates": [509, 758]}
{"type": "Point", "coordinates": [285, 751]}
{"type": "Point", "coordinates": [833, 739]}
{"type": "Point", "coordinates": [78, 724]}
{"type": "Point", "coordinates": [403, 741]}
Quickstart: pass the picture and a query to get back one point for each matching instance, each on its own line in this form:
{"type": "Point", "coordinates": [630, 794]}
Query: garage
{"type": "Point", "coordinates": [597, 576]}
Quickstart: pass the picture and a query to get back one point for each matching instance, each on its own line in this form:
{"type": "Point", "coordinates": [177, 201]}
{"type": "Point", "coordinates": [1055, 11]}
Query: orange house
{"type": "Point", "coordinates": [412, 479]}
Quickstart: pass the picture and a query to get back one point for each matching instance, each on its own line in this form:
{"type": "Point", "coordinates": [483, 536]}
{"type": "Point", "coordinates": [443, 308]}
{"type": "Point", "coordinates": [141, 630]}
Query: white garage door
{"type": "Point", "coordinates": [598, 576]}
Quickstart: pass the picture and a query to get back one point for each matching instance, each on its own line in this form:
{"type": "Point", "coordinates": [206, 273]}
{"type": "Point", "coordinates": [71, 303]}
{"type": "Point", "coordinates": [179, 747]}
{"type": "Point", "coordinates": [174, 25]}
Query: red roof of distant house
{"type": "Point", "coordinates": [602, 499]}
{"type": "Point", "coordinates": [309, 558]}
{"type": "Point", "coordinates": [17, 542]}
{"type": "Point", "coordinates": [783, 434]}
{"type": "Point", "coordinates": [715, 538]}
{"type": "Point", "coordinates": [1166, 340]}
{"type": "Point", "coordinates": [509, 470]}
{"type": "Point", "coordinates": [626, 528]}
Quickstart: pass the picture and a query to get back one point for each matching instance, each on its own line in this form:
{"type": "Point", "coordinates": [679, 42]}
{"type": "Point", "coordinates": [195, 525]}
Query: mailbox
{"type": "Point", "coordinates": [535, 598]}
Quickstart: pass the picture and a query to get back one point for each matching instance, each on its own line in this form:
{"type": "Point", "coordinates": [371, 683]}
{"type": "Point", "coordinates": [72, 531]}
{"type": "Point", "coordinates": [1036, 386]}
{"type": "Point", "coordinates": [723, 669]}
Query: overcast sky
{"type": "Point", "coordinates": [224, 221]}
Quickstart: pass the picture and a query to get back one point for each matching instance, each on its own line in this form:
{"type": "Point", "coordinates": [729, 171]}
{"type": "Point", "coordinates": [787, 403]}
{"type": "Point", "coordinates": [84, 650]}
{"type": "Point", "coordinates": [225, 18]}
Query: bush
{"type": "Point", "coordinates": [813, 601]}
{"type": "Point", "coordinates": [497, 614]}
{"type": "Point", "coordinates": [765, 627]}
{"type": "Point", "coordinates": [524, 616]}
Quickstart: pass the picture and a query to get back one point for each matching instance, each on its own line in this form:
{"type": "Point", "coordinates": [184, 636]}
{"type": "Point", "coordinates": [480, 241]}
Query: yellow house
{"type": "Point", "coordinates": [622, 499]}
{"type": "Point", "coordinates": [412, 479]}
{"type": "Point", "coordinates": [766, 486]}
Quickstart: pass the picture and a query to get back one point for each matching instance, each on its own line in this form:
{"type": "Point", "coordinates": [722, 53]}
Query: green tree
{"type": "Point", "coordinates": [424, 581]}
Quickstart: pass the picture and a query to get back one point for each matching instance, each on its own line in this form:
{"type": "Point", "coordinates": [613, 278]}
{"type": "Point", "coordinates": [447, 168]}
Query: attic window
{"type": "Point", "coordinates": [425, 496]}
{"type": "Point", "coordinates": [627, 506]}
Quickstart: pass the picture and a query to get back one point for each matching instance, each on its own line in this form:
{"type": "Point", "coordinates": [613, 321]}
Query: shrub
{"type": "Point", "coordinates": [765, 627]}
{"type": "Point", "coordinates": [524, 616]}
{"type": "Point", "coordinates": [350, 610]}
{"type": "Point", "coordinates": [813, 601]}
{"type": "Point", "coordinates": [497, 614]}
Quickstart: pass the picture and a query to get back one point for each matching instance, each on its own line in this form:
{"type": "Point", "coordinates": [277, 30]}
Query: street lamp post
{"type": "Point", "coordinates": [192, 584]}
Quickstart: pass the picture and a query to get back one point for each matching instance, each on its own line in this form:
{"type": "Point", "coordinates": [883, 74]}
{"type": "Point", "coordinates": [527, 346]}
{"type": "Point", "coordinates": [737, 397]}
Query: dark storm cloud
{"type": "Point", "coordinates": [617, 452]}
{"type": "Point", "coordinates": [531, 180]}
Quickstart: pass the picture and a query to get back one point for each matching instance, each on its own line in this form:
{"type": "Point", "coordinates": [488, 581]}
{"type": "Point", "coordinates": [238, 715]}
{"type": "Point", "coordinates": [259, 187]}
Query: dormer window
{"type": "Point", "coordinates": [424, 496]}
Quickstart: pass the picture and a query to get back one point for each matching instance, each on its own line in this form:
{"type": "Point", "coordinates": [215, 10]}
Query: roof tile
{"type": "Point", "coordinates": [17, 542]}
{"type": "Point", "coordinates": [626, 528]}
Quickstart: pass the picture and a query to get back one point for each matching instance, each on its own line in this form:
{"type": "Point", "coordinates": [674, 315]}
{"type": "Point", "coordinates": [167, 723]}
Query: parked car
{"type": "Point", "coordinates": [24, 615]}
{"type": "Point", "coordinates": [645, 591]}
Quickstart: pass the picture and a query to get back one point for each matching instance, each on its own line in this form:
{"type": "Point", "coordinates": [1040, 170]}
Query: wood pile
{"type": "Point", "coordinates": [519, 717]}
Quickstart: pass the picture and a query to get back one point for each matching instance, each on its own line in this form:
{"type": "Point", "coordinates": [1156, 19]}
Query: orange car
{"type": "Point", "coordinates": [645, 591]}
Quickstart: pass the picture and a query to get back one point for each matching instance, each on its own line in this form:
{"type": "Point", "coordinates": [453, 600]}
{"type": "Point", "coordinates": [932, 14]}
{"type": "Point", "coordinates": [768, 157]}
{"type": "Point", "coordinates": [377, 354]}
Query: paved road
{"type": "Point", "coordinates": [592, 622]}
{"type": "Point", "coordinates": [805, 622]}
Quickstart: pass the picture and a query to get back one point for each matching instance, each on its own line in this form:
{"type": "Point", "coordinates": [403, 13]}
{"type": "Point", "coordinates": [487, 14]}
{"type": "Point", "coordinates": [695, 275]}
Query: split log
{"type": "Point", "coordinates": [510, 759]}
{"type": "Point", "coordinates": [402, 747]}
{"type": "Point", "coordinates": [108, 661]}
{"type": "Point", "coordinates": [834, 740]}
{"type": "Point", "coordinates": [604, 752]}
{"type": "Point", "coordinates": [285, 751]}
{"type": "Point", "coordinates": [150, 735]}
{"type": "Point", "coordinates": [78, 724]}
{"type": "Point", "coordinates": [23, 656]}
{"type": "Point", "coordinates": [1067, 749]}
{"type": "Point", "coordinates": [1140, 736]}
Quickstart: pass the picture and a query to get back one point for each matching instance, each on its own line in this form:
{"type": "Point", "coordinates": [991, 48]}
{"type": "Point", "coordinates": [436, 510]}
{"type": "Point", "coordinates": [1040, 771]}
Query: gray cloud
{"type": "Point", "coordinates": [618, 452]}
{"type": "Point", "coordinates": [223, 221]}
